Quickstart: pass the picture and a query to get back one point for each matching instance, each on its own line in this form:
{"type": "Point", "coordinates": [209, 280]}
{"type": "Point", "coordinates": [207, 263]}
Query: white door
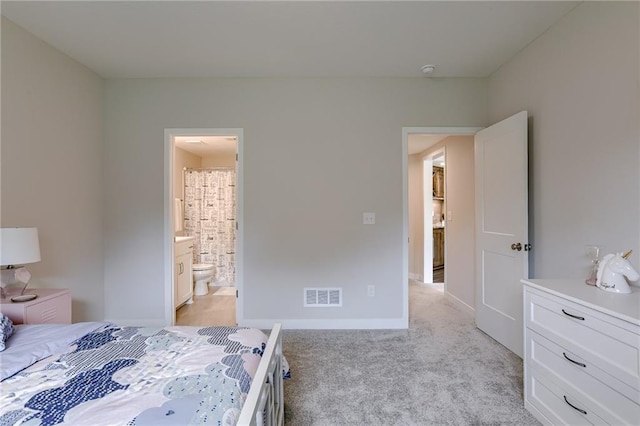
{"type": "Point", "coordinates": [501, 229]}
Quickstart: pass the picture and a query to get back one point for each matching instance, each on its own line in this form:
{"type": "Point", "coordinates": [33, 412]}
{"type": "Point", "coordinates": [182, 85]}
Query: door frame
{"type": "Point", "coordinates": [427, 204]}
{"type": "Point", "coordinates": [169, 161]}
{"type": "Point", "coordinates": [406, 131]}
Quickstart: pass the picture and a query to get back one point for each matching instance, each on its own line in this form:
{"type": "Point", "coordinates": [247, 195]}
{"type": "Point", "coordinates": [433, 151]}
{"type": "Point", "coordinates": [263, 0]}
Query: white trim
{"type": "Point", "coordinates": [169, 134]}
{"type": "Point", "coordinates": [169, 312]}
{"type": "Point", "coordinates": [127, 322]}
{"type": "Point", "coordinates": [416, 277]}
{"type": "Point", "coordinates": [460, 304]}
{"type": "Point", "coordinates": [405, 226]}
{"type": "Point", "coordinates": [450, 131]}
{"type": "Point", "coordinates": [329, 324]}
{"type": "Point", "coordinates": [427, 209]}
{"type": "Point", "coordinates": [406, 131]}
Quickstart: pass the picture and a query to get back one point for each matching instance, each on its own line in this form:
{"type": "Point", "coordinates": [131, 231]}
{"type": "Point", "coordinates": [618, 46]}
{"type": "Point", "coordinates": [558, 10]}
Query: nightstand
{"type": "Point", "coordinates": [52, 306]}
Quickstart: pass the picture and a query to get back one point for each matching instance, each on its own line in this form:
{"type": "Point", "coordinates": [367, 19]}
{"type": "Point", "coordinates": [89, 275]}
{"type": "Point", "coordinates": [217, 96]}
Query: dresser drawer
{"type": "Point", "coordinates": [52, 306]}
{"type": "Point", "coordinates": [600, 340]}
{"type": "Point", "coordinates": [584, 380]}
{"type": "Point", "coordinates": [550, 400]}
{"type": "Point", "coordinates": [54, 311]}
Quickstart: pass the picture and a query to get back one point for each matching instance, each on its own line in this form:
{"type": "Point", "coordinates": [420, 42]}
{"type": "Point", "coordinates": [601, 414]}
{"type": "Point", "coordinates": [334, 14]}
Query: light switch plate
{"type": "Point", "coordinates": [369, 218]}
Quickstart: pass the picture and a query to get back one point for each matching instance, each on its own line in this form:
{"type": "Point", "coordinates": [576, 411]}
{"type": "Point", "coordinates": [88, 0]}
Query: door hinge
{"type": "Point", "coordinates": [236, 226]}
{"type": "Point", "coordinates": [236, 294]}
{"type": "Point", "coordinates": [236, 156]}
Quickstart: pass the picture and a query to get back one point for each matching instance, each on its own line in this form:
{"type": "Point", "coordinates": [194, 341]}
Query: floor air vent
{"type": "Point", "coordinates": [322, 297]}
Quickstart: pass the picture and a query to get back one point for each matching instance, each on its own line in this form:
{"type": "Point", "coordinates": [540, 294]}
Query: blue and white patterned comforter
{"type": "Point", "coordinates": [138, 376]}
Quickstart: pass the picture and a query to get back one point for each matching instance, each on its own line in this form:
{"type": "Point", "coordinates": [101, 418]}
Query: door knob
{"type": "Point", "coordinates": [516, 246]}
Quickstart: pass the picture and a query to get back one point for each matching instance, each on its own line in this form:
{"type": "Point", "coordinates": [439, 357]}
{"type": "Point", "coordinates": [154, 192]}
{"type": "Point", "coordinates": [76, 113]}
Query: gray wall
{"type": "Point", "coordinates": [317, 154]}
{"type": "Point", "coordinates": [580, 83]}
{"type": "Point", "coordinates": [416, 220]}
{"type": "Point", "coordinates": [52, 132]}
{"type": "Point", "coordinates": [181, 160]}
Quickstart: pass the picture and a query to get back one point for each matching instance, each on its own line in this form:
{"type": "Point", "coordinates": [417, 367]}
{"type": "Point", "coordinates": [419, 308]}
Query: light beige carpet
{"type": "Point", "coordinates": [441, 371]}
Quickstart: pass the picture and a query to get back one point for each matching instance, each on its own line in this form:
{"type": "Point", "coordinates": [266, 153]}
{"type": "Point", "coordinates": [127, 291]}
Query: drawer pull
{"type": "Point", "coordinates": [575, 362]}
{"type": "Point", "coordinates": [573, 406]}
{"type": "Point", "coordinates": [573, 316]}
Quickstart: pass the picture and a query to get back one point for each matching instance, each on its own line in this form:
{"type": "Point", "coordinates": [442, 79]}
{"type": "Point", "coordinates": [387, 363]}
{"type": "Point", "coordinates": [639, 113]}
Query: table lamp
{"type": "Point", "coordinates": [18, 246]}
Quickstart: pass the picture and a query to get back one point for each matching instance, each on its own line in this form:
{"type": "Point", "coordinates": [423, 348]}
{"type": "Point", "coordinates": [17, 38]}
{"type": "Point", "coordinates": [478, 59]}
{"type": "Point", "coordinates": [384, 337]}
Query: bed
{"type": "Point", "coordinates": [102, 374]}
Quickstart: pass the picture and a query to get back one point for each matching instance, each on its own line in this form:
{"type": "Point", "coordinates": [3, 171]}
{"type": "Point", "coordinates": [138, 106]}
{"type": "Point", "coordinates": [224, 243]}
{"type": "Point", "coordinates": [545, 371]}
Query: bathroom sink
{"type": "Point", "coordinates": [180, 239]}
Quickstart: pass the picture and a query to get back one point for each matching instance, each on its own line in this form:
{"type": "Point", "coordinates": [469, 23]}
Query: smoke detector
{"type": "Point", "coordinates": [428, 69]}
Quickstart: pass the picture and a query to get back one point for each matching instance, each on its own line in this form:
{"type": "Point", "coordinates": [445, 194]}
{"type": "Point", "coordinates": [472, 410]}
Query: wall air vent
{"type": "Point", "coordinates": [322, 297]}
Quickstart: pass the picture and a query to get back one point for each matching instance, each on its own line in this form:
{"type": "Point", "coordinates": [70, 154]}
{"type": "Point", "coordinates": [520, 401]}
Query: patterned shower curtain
{"type": "Point", "coordinates": [210, 217]}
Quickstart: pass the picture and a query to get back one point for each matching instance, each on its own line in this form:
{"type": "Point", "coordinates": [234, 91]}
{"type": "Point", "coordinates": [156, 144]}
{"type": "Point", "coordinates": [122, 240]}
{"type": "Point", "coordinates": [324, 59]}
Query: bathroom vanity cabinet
{"type": "Point", "coordinates": [582, 353]}
{"type": "Point", "coordinates": [183, 275]}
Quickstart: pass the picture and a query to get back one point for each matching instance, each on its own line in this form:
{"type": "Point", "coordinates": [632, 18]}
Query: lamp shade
{"type": "Point", "coordinates": [19, 246]}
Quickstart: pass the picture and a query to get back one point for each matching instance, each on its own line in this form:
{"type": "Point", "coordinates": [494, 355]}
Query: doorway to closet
{"type": "Point", "coordinates": [206, 196]}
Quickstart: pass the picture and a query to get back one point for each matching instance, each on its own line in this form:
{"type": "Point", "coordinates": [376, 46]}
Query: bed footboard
{"type": "Point", "coordinates": [265, 401]}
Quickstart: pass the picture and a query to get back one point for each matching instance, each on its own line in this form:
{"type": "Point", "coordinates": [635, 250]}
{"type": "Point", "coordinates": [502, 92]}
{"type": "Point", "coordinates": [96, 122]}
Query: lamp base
{"type": "Point", "coordinates": [23, 298]}
{"type": "Point", "coordinates": [13, 275]}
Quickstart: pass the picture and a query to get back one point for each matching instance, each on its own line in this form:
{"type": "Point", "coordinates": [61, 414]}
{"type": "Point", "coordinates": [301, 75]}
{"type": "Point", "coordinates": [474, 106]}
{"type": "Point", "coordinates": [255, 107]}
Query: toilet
{"type": "Point", "coordinates": [202, 274]}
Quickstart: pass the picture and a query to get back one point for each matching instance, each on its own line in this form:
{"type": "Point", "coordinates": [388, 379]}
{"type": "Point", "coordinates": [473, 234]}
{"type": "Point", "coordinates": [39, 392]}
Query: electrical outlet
{"type": "Point", "coordinates": [369, 218]}
{"type": "Point", "coordinates": [371, 290]}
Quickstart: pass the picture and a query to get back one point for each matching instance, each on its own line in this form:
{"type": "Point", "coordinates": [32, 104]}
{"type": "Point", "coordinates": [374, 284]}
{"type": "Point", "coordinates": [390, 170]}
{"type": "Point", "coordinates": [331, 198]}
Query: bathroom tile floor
{"type": "Point", "coordinates": [210, 309]}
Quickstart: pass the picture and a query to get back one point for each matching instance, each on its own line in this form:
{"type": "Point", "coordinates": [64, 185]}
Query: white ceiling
{"type": "Point", "coordinates": [202, 146]}
{"type": "Point", "coordinates": [131, 39]}
{"type": "Point", "coordinates": [138, 39]}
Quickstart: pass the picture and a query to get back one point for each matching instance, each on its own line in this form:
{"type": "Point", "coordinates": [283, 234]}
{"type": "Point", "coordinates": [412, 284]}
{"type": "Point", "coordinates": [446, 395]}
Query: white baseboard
{"type": "Point", "coordinates": [417, 277]}
{"type": "Point", "coordinates": [137, 322]}
{"type": "Point", "coordinates": [293, 324]}
{"type": "Point", "coordinates": [329, 324]}
{"type": "Point", "coordinates": [460, 304]}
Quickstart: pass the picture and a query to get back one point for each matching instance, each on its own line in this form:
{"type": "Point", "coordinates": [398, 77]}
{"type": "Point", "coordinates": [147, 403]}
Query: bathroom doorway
{"type": "Point", "coordinates": [206, 215]}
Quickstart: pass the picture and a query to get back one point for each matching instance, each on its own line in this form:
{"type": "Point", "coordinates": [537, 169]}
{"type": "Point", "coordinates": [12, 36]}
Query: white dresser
{"type": "Point", "coordinates": [582, 353]}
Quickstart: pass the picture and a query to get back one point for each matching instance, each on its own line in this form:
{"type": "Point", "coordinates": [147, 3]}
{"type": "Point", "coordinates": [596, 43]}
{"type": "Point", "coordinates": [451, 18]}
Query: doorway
{"type": "Point", "coordinates": [203, 207]}
{"type": "Point", "coordinates": [450, 211]}
{"type": "Point", "coordinates": [492, 223]}
{"type": "Point", "coordinates": [430, 234]}
{"type": "Point", "coordinates": [437, 223]}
